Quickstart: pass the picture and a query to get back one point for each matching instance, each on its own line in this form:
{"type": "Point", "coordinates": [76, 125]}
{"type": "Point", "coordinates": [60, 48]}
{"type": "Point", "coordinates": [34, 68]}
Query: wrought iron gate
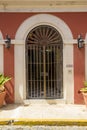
{"type": "Point", "coordinates": [44, 64]}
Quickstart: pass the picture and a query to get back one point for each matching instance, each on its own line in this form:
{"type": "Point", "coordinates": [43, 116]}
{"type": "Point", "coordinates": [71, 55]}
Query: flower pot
{"type": "Point", "coordinates": [2, 98]}
{"type": "Point", "coordinates": [85, 98]}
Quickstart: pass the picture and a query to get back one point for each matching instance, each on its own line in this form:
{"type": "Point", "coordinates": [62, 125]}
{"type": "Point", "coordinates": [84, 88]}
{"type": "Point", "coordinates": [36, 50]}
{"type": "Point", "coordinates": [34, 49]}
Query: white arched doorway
{"type": "Point", "coordinates": [21, 34]}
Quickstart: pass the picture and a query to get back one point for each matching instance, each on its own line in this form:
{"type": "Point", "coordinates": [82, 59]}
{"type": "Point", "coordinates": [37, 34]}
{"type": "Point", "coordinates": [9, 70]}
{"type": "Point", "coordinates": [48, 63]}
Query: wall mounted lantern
{"type": "Point", "coordinates": [80, 41]}
{"type": "Point", "coordinates": [7, 41]}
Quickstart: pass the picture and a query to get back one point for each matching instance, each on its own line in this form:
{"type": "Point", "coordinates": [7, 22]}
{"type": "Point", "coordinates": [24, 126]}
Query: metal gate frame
{"type": "Point", "coordinates": [48, 40]}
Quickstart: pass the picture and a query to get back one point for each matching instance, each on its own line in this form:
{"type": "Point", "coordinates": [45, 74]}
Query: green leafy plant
{"type": "Point", "coordinates": [84, 89]}
{"type": "Point", "coordinates": [3, 80]}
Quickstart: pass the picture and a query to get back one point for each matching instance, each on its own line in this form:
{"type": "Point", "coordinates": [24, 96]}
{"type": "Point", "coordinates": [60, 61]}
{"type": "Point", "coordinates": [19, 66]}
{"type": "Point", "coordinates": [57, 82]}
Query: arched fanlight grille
{"type": "Point", "coordinates": [44, 34]}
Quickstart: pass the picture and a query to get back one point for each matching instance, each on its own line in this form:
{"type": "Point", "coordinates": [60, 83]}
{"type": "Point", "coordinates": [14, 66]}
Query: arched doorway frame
{"type": "Point", "coordinates": [20, 37]}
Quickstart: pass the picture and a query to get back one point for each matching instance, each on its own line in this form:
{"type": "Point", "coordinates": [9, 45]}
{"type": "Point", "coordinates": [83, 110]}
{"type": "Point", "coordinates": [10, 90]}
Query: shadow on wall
{"type": "Point", "coordinates": [9, 92]}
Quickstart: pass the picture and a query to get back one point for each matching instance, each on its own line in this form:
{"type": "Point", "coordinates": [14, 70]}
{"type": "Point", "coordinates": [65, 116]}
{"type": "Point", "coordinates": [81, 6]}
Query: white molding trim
{"type": "Point", "coordinates": [21, 34]}
{"type": "Point", "coordinates": [65, 41]}
{"type": "Point", "coordinates": [34, 10]}
{"type": "Point", "coordinates": [1, 54]}
{"type": "Point", "coordinates": [13, 41]}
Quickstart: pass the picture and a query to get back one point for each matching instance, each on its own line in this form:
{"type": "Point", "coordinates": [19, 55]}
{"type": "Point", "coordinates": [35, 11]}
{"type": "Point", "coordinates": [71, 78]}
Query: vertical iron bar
{"type": "Point", "coordinates": [31, 68]}
{"type": "Point", "coordinates": [48, 69]}
{"type": "Point", "coordinates": [54, 68]}
{"type": "Point", "coordinates": [27, 75]}
{"type": "Point", "coordinates": [57, 71]}
{"type": "Point", "coordinates": [44, 61]}
{"type": "Point", "coordinates": [34, 70]}
{"type": "Point", "coordinates": [51, 73]}
{"type": "Point", "coordinates": [37, 69]}
{"type": "Point", "coordinates": [40, 68]}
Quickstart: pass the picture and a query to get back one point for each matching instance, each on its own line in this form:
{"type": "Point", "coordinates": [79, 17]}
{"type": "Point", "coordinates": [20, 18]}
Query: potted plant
{"type": "Point", "coordinates": [3, 80]}
{"type": "Point", "coordinates": [83, 90]}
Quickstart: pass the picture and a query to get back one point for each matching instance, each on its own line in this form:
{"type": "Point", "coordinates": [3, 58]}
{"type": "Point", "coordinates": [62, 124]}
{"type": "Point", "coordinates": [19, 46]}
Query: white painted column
{"type": "Point", "coordinates": [86, 57]}
{"type": "Point", "coordinates": [1, 58]}
{"type": "Point", "coordinates": [1, 53]}
{"type": "Point", "coordinates": [19, 72]}
{"type": "Point", "coordinates": [68, 75]}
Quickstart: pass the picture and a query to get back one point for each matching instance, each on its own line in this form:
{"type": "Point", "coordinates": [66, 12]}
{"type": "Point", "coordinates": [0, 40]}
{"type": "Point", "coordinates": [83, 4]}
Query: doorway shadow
{"type": "Point", "coordinates": [9, 107]}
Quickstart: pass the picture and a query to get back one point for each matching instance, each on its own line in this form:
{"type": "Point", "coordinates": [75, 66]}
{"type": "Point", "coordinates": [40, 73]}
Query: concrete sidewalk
{"type": "Point", "coordinates": [44, 112]}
